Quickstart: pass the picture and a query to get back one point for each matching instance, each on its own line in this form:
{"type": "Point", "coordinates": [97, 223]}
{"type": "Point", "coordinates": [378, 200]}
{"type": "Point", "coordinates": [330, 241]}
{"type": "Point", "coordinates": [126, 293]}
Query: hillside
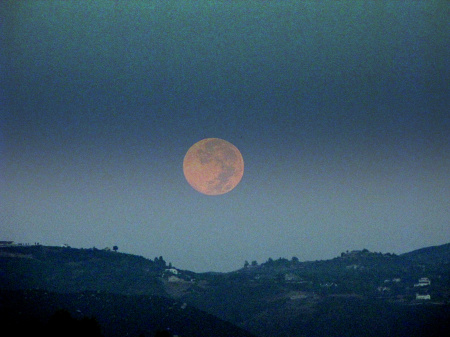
{"type": "Point", "coordinates": [27, 313]}
{"type": "Point", "coordinates": [358, 293]}
{"type": "Point", "coordinates": [61, 269]}
{"type": "Point", "coordinates": [435, 254]}
{"type": "Point", "coordinates": [371, 294]}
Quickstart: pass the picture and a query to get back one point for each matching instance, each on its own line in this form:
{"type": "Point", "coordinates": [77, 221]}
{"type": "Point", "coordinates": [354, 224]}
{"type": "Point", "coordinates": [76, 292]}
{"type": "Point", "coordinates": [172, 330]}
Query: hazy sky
{"type": "Point", "coordinates": [339, 108]}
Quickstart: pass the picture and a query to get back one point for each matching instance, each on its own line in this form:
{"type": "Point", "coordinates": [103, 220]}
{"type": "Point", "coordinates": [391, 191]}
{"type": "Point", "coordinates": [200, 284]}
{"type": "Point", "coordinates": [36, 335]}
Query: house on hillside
{"type": "Point", "coordinates": [328, 285]}
{"type": "Point", "coordinates": [394, 280]}
{"type": "Point", "coordinates": [353, 267]}
{"type": "Point", "coordinates": [423, 297]}
{"type": "Point", "coordinates": [383, 289]}
{"type": "Point", "coordinates": [423, 282]}
{"type": "Point", "coordinates": [172, 271]}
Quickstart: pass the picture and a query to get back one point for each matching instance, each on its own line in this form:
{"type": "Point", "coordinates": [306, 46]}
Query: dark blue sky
{"type": "Point", "coordinates": [340, 110]}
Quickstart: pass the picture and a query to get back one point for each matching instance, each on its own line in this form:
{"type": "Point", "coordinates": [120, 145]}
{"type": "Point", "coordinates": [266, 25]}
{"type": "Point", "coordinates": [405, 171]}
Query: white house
{"type": "Point", "coordinates": [383, 289]}
{"type": "Point", "coordinates": [172, 271]}
{"type": "Point", "coordinates": [423, 297]}
{"type": "Point", "coordinates": [423, 282]}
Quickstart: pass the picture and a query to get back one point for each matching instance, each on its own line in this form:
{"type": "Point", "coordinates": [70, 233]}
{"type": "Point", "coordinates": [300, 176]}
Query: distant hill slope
{"type": "Point", "coordinates": [436, 254]}
{"type": "Point", "coordinates": [359, 293]}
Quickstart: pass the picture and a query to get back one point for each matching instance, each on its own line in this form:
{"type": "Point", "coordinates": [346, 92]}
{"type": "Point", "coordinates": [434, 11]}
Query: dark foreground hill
{"type": "Point", "coordinates": [359, 293]}
{"type": "Point", "coordinates": [30, 312]}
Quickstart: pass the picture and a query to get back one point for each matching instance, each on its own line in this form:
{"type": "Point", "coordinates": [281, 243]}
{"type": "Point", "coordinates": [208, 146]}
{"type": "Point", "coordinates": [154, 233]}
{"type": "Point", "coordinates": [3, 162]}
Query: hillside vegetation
{"type": "Point", "coordinates": [61, 269]}
{"type": "Point", "coordinates": [358, 293]}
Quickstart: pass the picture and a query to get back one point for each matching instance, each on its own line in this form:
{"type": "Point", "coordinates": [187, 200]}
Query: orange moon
{"type": "Point", "coordinates": [213, 166]}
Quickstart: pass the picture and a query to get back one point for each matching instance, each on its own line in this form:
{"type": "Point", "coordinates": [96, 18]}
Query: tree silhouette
{"type": "Point", "coordinates": [160, 262]}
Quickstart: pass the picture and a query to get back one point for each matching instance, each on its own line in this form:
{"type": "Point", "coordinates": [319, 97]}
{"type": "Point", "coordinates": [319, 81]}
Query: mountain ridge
{"type": "Point", "coordinates": [275, 298]}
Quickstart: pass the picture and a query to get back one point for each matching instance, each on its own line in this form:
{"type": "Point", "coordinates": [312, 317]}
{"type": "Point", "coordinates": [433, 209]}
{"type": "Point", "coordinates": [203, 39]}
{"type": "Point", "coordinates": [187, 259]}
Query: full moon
{"type": "Point", "coordinates": [213, 166]}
